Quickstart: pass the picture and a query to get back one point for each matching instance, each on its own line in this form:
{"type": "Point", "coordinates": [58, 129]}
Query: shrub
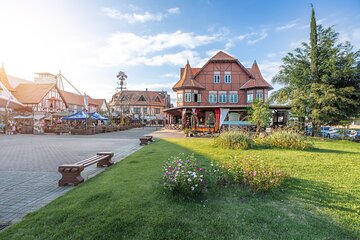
{"type": "Point", "coordinates": [220, 175]}
{"type": "Point", "coordinates": [252, 171]}
{"type": "Point", "coordinates": [287, 139]}
{"type": "Point", "coordinates": [234, 140]}
{"type": "Point", "coordinates": [183, 176]}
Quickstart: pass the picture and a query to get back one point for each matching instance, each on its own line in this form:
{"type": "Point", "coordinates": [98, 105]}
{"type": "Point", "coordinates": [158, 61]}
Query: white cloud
{"type": "Point", "coordinates": [253, 37]}
{"type": "Point", "coordinates": [269, 69]}
{"type": "Point", "coordinates": [287, 26]}
{"type": "Point", "coordinates": [296, 44]}
{"type": "Point", "coordinates": [136, 17]}
{"type": "Point", "coordinates": [130, 49]}
{"type": "Point", "coordinates": [258, 37]}
{"type": "Point", "coordinates": [170, 75]}
{"type": "Point", "coordinates": [352, 35]}
{"type": "Point", "coordinates": [132, 17]}
{"type": "Point", "coordinates": [271, 55]}
{"type": "Point", "coordinates": [173, 10]}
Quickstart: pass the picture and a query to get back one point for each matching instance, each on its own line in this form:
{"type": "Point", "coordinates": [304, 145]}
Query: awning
{"type": "Point", "coordinates": [97, 116]}
{"type": "Point", "coordinates": [81, 115]}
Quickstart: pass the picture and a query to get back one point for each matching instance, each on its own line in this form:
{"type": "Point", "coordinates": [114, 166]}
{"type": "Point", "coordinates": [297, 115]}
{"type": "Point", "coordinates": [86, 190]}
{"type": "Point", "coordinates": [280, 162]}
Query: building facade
{"type": "Point", "coordinates": [219, 93]}
{"type": "Point", "coordinates": [142, 105]}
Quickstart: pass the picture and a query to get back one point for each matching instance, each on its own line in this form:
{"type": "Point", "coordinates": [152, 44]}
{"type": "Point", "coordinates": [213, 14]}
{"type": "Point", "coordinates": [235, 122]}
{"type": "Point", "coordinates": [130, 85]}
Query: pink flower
{"type": "Point", "coordinates": [254, 173]}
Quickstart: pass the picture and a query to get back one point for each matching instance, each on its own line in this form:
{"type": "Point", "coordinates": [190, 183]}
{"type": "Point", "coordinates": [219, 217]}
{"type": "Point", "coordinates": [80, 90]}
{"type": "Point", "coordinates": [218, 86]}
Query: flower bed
{"type": "Point", "coordinates": [182, 175]}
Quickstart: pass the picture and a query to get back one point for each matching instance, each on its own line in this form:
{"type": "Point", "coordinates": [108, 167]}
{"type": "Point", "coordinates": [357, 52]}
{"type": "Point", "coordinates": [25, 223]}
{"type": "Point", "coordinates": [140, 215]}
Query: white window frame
{"type": "Point", "coordinates": [198, 97]}
{"type": "Point", "coordinates": [188, 97]}
{"type": "Point", "coordinates": [233, 97]}
{"type": "Point", "coordinates": [222, 99]}
{"type": "Point", "coordinates": [179, 97]}
{"type": "Point", "coordinates": [217, 77]}
{"type": "Point", "coordinates": [213, 95]}
{"type": "Point", "coordinates": [250, 99]}
{"type": "Point", "coordinates": [227, 77]}
{"type": "Point", "coordinates": [260, 96]}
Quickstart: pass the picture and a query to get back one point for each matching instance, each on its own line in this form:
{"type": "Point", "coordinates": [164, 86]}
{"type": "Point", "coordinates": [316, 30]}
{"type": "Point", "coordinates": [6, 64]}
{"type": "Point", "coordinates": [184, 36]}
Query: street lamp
{"type": "Point", "coordinates": [121, 76]}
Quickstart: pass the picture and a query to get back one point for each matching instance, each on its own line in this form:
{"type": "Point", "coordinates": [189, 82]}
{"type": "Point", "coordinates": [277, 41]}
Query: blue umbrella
{"type": "Point", "coordinates": [81, 115]}
{"type": "Point", "coordinates": [97, 116]}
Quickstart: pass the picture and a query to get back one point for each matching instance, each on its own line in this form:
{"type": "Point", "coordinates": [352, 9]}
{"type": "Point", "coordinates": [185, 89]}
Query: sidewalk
{"type": "Point", "coordinates": [24, 189]}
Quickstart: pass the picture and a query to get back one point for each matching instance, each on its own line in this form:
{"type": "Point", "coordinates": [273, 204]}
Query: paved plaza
{"type": "Point", "coordinates": [28, 164]}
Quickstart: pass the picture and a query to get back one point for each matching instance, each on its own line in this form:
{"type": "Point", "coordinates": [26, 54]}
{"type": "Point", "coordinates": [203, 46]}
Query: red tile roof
{"type": "Point", "coordinates": [133, 98]}
{"type": "Point", "coordinates": [72, 98]}
{"type": "Point", "coordinates": [187, 80]}
{"type": "Point", "coordinates": [258, 80]}
{"type": "Point", "coordinates": [224, 57]}
{"type": "Point", "coordinates": [4, 80]}
{"type": "Point", "coordinates": [32, 93]}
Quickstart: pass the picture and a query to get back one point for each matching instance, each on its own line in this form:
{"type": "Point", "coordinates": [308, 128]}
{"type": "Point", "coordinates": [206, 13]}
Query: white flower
{"type": "Point", "coordinates": [192, 188]}
{"type": "Point", "coordinates": [189, 179]}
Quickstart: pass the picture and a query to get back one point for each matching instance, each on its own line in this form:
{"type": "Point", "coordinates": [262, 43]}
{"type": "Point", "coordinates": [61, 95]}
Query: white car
{"type": "Point", "coordinates": [333, 133]}
{"type": "Point", "coordinates": [325, 131]}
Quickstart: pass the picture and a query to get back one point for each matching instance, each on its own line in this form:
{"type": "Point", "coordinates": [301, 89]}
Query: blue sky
{"type": "Point", "coordinates": [90, 41]}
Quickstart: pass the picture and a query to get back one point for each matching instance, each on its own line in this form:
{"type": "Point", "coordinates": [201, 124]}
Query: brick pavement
{"type": "Point", "coordinates": [28, 165]}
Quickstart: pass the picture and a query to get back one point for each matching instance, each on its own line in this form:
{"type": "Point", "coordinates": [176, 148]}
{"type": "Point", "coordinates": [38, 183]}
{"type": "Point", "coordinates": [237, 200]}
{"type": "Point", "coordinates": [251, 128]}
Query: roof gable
{"type": "Point", "coordinates": [258, 80]}
{"type": "Point", "coordinates": [187, 80]}
{"type": "Point", "coordinates": [32, 93]}
{"type": "Point", "coordinates": [132, 97]}
{"type": "Point", "coordinates": [142, 99]}
{"type": "Point", "coordinates": [224, 57]}
{"type": "Point", "coordinates": [4, 80]}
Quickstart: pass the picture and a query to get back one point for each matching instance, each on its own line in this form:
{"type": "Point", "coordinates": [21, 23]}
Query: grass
{"type": "Point", "coordinates": [320, 201]}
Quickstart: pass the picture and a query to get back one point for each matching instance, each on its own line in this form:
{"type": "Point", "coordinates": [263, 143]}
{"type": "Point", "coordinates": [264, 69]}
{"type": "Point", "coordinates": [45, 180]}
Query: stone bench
{"type": "Point", "coordinates": [71, 173]}
{"type": "Point", "coordinates": [144, 140]}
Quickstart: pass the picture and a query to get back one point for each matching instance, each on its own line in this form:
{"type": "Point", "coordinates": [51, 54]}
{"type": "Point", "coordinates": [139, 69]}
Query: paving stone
{"type": "Point", "coordinates": [28, 165]}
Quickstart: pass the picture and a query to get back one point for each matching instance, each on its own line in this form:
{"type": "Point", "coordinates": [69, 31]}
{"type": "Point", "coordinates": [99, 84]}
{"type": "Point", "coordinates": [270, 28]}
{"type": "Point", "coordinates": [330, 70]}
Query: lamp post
{"type": "Point", "coordinates": [121, 76]}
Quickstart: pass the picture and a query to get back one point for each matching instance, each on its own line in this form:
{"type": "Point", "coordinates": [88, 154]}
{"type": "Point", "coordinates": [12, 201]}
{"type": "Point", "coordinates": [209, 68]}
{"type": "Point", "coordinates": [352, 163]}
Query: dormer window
{"type": "Point", "coordinates": [227, 78]}
{"type": "Point", "coordinates": [216, 77]}
{"type": "Point", "coordinates": [157, 99]}
{"type": "Point", "coordinates": [142, 99]}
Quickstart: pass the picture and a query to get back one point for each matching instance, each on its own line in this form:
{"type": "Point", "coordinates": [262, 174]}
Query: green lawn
{"type": "Point", "coordinates": [319, 201]}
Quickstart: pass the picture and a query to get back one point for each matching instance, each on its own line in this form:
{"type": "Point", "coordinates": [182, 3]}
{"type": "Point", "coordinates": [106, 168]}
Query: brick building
{"type": "Point", "coordinates": [220, 93]}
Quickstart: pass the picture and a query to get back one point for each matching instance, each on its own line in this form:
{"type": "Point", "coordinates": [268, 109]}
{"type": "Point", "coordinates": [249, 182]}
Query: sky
{"type": "Point", "coordinates": [91, 41]}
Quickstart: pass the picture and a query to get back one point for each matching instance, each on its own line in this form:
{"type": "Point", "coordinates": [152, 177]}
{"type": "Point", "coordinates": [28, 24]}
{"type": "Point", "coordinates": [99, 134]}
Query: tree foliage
{"type": "Point", "coordinates": [260, 114]}
{"type": "Point", "coordinates": [333, 95]}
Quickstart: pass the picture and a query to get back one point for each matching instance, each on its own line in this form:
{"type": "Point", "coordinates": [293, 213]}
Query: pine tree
{"type": "Point", "coordinates": [314, 47]}
{"type": "Point", "coordinates": [326, 93]}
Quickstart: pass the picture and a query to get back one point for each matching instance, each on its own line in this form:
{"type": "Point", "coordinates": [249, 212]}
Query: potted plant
{"type": "Point", "coordinates": [187, 132]}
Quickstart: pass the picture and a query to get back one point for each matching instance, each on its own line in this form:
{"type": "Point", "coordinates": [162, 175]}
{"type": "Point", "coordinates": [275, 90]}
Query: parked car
{"type": "Point", "coordinates": [333, 133]}
{"type": "Point", "coordinates": [324, 130]}
{"type": "Point", "coordinates": [355, 136]}
{"type": "Point", "coordinates": [344, 134]}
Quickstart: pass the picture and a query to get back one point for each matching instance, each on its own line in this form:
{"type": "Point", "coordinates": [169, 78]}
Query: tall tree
{"type": "Point", "coordinates": [329, 92]}
{"type": "Point", "coordinates": [313, 47]}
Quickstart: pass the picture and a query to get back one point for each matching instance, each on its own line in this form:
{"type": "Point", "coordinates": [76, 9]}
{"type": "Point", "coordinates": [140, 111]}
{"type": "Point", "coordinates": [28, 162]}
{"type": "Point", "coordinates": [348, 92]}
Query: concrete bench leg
{"type": "Point", "coordinates": [106, 161]}
{"type": "Point", "coordinates": [71, 175]}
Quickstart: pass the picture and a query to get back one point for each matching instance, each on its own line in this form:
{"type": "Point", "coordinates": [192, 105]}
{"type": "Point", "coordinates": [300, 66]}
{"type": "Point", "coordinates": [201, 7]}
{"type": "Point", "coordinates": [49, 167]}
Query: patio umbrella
{"type": "Point", "coordinates": [81, 115]}
{"type": "Point", "coordinates": [97, 116]}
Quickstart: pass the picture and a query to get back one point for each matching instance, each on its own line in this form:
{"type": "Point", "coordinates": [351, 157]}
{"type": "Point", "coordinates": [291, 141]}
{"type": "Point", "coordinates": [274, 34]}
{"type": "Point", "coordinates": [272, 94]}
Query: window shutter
{"type": "Point", "coordinates": [199, 97]}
